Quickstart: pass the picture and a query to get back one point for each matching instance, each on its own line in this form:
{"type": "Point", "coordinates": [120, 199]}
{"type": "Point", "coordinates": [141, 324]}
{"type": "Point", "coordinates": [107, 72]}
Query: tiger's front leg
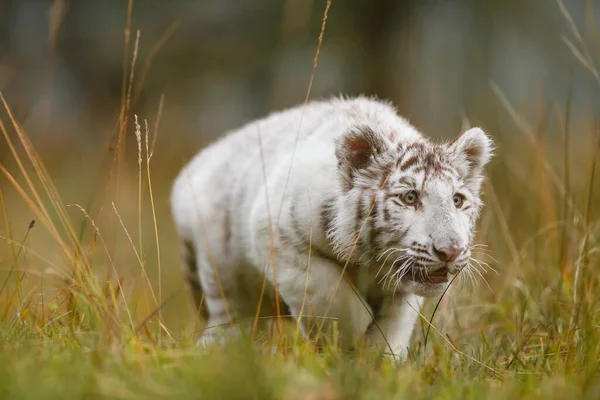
{"type": "Point", "coordinates": [317, 296]}
{"type": "Point", "coordinates": [395, 326]}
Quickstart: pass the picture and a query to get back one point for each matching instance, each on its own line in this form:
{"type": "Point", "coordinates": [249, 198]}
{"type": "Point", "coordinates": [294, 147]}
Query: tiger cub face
{"type": "Point", "coordinates": [408, 209]}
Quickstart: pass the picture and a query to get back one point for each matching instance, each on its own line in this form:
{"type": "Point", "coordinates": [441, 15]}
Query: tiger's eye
{"type": "Point", "coordinates": [459, 200]}
{"type": "Point", "coordinates": [410, 198]}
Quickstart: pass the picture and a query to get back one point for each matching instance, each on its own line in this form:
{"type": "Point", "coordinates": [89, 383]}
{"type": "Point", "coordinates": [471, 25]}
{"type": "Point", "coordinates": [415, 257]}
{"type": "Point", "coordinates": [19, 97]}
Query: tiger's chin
{"type": "Point", "coordinates": [425, 289]}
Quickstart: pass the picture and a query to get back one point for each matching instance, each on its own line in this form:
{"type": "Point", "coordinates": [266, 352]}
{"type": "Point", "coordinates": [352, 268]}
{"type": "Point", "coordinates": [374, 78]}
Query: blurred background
{"type": "Point", "coordinates": [222, 63]}
{"type": "Point", "coordinates": [204, 67]}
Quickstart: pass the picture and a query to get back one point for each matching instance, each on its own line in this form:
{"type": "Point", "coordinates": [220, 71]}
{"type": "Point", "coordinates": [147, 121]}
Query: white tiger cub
{"type": "Point", "coordinates": [341, 205]}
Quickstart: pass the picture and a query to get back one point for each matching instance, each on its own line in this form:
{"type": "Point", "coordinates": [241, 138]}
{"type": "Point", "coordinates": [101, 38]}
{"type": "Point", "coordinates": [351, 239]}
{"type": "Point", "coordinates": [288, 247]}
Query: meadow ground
{"type": "Point", "coordinates": [93, 304]}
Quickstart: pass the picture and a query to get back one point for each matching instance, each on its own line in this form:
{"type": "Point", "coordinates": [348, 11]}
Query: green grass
{"type": "Point", "coordinates": [92, 304]}
{"type": "Point", "coordinates": [89, 325]}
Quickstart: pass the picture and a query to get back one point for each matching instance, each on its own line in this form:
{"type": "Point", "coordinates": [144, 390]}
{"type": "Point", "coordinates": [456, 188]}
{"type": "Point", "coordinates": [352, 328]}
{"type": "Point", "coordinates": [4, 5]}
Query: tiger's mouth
{"type": "Point", "coordinates": [438, 276]}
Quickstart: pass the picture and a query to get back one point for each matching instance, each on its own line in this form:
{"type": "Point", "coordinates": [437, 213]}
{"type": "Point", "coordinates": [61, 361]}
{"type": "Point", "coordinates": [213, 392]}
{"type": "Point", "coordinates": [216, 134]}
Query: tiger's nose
{"type": "Point", "coordinates": [448, 254]}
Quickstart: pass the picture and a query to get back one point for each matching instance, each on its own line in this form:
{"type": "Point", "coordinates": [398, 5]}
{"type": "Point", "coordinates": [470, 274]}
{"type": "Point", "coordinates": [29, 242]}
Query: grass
{"type": "Point", "coordinates": [92, 304]}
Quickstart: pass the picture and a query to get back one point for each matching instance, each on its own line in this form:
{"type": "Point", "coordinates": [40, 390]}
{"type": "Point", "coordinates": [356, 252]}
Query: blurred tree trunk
{"type": "Point", "coordinates": [379, 21]}
{"type": "Point", "coordinates": [479, 48]}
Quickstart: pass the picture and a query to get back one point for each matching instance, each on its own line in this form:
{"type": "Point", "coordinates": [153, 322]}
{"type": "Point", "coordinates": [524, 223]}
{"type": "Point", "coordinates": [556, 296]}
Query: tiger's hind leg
{"type": "Point", "coordinates": [227, 295]}
{"type": "Point", "coordinates": [192, 278]}
{"type": "Point", "coordinates": [215, 291]}
{"type": "Point", "coordinates": [215, 322]}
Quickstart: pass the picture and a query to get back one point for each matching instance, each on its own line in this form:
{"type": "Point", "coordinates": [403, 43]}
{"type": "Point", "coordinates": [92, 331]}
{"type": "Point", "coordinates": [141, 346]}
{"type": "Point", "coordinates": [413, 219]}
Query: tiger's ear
{"type": "Point", "coordinates": [470, 152]}
{"type": "Point", "coordinates": [356, 149]}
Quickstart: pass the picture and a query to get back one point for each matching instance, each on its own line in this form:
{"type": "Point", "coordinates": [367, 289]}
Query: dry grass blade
{"type": "Point", "coordinates": [347, 263]}
{"type": "Point", "coordinates": [526, 129]}
{"type": "Point", "coordinates": [15, 268]}
{"type": "Point", "coordinates": [271, 263]}
{"type": "Point", "coordinates": [565, 209]}
{"type": "Point", "coordinates": [504, 225]}
{"type": "Point", "coordinates": [437, 304]}
{"type": "Point", "coordinates": [154, 221]}
{"type": "Point", "coordinates": [584, 56]}
{"type": "Point", "coordinates": [271, 231]}
{"type": "Point", "coordinates": [141, 263]}
{"type": "Point", "coordinates": [310, 83]}
{"type": "Point", "coordinates": [520, 348]}
{"type": "Point", "coordinates": [164, 38]}
{"type": "Point", "coordinates": [52, 267]}
{"type": "Point", "coordinates": [49, 188]}
{"type": "Point", "coordinates": [110, 260]}
{"type": "Point", "coordinates": [584, 252]}
{"type": "Point", "coordinates": [496, 373]}
{"type": "Point", "coordinates": [587, 63]}
{"type": "Point", "coordinates": [39, 215]}
{"type": "Point", "coordinates": [21, 165]}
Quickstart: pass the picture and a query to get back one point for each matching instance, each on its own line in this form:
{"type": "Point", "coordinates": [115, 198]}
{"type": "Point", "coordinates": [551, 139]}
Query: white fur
{"type": "Point", "coordinates": [227, 202]}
